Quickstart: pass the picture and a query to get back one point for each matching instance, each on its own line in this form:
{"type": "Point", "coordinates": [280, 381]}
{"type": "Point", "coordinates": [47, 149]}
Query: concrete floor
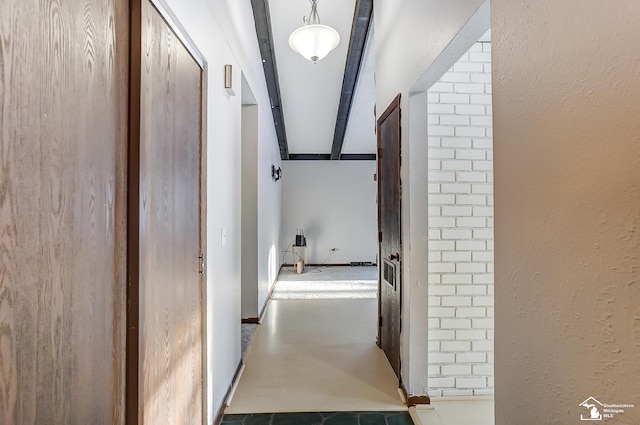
{"type": "Point", "coordinates": [451, 411]}
{"type": "Point", "coordinates": [318, 354]}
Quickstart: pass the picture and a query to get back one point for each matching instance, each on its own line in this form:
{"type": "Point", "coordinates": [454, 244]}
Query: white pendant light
{"type": "Point", "coordinates": [314, 41]}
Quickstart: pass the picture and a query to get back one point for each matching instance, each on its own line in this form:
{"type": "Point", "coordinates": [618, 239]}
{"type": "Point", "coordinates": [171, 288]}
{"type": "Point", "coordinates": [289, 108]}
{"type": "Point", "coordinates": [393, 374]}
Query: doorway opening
{"type": "Point", "coordinates": [451, 176]}
{"type": "Point", "coordinates": [249, 217]}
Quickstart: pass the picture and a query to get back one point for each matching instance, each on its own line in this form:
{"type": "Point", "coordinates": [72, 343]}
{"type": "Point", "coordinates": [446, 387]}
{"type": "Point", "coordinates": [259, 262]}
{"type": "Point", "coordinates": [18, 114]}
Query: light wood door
{"type": "Point", "coordinates": [389, 199]}
{"type": "Point", "coordinates": [170, 346]}
{"type": "Point", "coordinates": [63, 139]}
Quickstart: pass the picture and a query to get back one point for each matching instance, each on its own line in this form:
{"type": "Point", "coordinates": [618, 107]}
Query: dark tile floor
{"type": "Point", "coordinates": [324, 418]}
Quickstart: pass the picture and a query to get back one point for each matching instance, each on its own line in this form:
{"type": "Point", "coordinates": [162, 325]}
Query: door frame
{"type": "Point", "coordinates": [132, 410]}
{"type": "Point", "coordinates": [395, 103]}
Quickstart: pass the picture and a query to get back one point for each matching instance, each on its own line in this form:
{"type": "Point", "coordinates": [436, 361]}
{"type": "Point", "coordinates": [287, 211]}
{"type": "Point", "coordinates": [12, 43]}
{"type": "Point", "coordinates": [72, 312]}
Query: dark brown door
{"type": "Point", "coordinates": [170, 347]}
{"type": "Point", "coordinates": [389, 198]}
{"type": "Point", "coordinates": [63, 140]}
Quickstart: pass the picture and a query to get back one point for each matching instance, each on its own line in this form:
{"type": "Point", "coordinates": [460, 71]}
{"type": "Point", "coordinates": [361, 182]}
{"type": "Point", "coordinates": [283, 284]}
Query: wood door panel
{"type": "Point", "coordinates": [389, 201]}
{"type": "Point", "coordinates": [63, 129]}
{"type": "Point", "coordinates": [170, 354]}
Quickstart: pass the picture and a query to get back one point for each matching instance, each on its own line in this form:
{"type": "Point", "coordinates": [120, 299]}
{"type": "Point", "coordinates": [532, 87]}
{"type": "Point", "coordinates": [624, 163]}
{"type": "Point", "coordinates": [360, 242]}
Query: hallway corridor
{"type": "Point", "coordinates": [317, 355]}
{"type": "Point", "coordinates": [316, 352]}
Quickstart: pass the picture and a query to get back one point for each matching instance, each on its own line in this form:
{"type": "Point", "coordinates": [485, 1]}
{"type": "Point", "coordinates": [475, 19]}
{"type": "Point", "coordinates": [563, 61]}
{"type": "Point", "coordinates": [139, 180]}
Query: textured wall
{"type": "Point", "coordinates": [566, 82]}
{"type": "Point", "coordinates": [461, 228]}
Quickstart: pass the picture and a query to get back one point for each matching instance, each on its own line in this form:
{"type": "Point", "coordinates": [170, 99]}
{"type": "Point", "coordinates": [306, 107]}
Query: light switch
{"type": "Point", "coordinates": [223, 237]}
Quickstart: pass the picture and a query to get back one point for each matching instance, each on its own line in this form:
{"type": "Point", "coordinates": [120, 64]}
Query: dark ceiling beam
{"type": "Point", "coordinates": [326, 157]}
{"type": "Point", "coordinates": [358, 157]}
{"type": "Point", "coordinates": [309, 157]}
{"type": "Point", "coordinates": [262, 20]}
{"type": "Point", "coordinates": [359, 31]}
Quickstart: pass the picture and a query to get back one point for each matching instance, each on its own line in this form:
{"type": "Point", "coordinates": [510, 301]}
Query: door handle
{"type": "Point", "coordinates": [395, 256]}
{"type": "Point", "coordinates": [201, 264]}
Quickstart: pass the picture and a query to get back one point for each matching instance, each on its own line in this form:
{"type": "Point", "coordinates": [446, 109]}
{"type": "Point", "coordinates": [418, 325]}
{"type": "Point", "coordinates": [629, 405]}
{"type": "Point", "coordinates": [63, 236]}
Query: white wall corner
{"type": "Point", "coordinates": [415, 247]}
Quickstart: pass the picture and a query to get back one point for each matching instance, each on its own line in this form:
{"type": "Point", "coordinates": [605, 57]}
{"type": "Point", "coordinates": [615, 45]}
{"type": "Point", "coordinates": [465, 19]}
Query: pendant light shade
{"type": "Point", "coordinates": [314, 41]}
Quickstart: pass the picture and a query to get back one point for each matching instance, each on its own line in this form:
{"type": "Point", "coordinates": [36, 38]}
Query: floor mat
{"type": "Point", "coordinates": [320, 418]}
{"type": "Point", "coordinates": [248, 329]}
{"type": "Point", "coordinates": [327, 283]}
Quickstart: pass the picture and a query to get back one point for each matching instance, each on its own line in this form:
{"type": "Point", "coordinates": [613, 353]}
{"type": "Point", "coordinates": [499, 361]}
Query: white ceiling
{"type": "Point", "coordinates": [310, 93]}
{"type": "Point", "coordinates": [361, 128]}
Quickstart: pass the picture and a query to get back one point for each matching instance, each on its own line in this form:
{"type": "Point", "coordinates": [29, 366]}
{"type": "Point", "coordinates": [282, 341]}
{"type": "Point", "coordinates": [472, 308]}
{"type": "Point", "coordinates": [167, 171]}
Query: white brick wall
{"type": "Point", "coordinates": [461, 228]}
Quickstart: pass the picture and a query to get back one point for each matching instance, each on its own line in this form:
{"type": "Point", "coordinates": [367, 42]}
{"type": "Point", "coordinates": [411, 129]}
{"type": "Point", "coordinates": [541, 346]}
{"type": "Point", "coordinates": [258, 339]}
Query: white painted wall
{"type": "Point", "coordinates": [566, 81]}
{"type": "Point", "coordinates": [461, 228]}
{"type": "Point", "coordinates": [335, 203]}
{"type": "Point", "coordinates": [269, 211]}
{"type": "Point", "coordinates": [261, 204]}
{"type": "Point", "coordinates": [409, 37]}
{"type": "Point", "coordinates": [416, 42]}
{"type": "Point", "coordinates": [224, 31]}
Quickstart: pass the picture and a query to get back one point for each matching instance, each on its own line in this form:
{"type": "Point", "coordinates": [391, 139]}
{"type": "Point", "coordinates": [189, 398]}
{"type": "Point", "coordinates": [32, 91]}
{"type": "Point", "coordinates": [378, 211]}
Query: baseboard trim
{"type": "Point", "coordinates": [321, 265]}
{"type": "Point", "coordinates": [414, 416]}
{"type": "Point", "coordinates": [465, 398]}
{"type": "Point", "coordinates": [413, 400]}
{"type": "Point", "coordinates": [268, 300]}
{"type": "Point", "coordinates": [230, 392]}
{"type": "Point", "coordinates": [234, 386]}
